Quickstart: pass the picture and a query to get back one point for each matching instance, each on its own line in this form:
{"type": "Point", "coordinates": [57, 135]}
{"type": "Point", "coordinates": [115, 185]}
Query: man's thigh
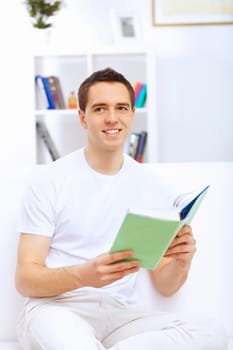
{"type": "Point", "coordinates": [132, 327]}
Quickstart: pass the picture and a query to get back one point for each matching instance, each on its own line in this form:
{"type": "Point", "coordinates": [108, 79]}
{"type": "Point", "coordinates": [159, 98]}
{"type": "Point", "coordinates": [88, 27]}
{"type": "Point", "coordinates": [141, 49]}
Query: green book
{"type": "Point", "coordinates": [149, 234]}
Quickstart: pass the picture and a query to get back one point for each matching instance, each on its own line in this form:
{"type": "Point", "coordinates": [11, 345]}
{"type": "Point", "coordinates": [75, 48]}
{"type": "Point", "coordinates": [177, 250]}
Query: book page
{"type": "Point", "coordinates": [184, 202]}
{"type": "Point", "coordinates": [168, 214]}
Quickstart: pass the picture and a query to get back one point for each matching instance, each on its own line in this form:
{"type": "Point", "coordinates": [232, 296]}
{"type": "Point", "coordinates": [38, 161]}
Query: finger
{"type": "Point", "coordinates": [182, 248]}
{"type": "Point", "coordinates": [118, 267]}
{"type": "Point", "coordinates": [110, 258]}
{"type": "Point", "coordinates": [121, 266]}
{"type": "Point", "coordinates": [111, 277]}
{"type": "Point", "coordinates": [185, 239]}
{"type": "Point", "coordinates": [182, 256]}
{"type": "Point", "coordinates": [186, 229]}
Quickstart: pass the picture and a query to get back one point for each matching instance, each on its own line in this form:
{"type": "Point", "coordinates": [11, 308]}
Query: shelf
{"type": "Point", "coordinates": [98, 50]}
{"type": "Point", "coordinates": [136, 63]}
{"type": "Point", "coordinates": [54, 112]}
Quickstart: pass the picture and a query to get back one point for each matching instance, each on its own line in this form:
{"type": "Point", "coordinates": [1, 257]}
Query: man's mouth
{"type": "Point", "coordinates": [112, 131]}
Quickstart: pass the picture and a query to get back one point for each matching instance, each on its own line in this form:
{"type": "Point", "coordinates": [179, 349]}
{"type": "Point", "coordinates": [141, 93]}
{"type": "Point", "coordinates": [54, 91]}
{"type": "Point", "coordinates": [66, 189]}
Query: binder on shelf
{"type": "Point", "coordinates": [41, 97]}
{"type": "Point", "coordinates": [44, 89]}
{"type": "Point", "coordinates": [48, 141]}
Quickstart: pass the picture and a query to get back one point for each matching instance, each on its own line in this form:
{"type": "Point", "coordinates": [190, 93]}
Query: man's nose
{"type": "Point", "coordinates": [111, 116]}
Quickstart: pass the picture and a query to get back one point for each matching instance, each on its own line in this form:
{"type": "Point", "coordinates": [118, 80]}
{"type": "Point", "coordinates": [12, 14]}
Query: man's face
{"type": "Point", "coordinates": [108, 116]}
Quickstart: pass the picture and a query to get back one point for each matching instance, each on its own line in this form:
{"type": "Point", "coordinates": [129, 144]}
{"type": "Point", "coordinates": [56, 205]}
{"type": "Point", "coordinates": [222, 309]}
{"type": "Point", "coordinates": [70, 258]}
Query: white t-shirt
{"type": "Point", "coordinates": [82, 210]}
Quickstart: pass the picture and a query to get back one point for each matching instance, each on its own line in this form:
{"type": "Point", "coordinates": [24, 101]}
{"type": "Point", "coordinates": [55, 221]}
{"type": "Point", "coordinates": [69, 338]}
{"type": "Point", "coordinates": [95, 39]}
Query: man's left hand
{"type": "Point", "coordinates": [183, 247]}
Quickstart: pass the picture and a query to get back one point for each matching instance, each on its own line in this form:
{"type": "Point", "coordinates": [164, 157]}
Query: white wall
{"type": "Point", "coordinates": [16, 111]}
{"type": "Point", "coordinates": [17, 149]}
{"type": "Point", "coordinates": [195, 88]}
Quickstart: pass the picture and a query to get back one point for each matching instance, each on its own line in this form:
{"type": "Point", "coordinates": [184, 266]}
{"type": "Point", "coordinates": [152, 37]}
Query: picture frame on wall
{"type": "Point", "coordinates": [125, 27]}
{"type": "Point", "coordinates": [192, 12]}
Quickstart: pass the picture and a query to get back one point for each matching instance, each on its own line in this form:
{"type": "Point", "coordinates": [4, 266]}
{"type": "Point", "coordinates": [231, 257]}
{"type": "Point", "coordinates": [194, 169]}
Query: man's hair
{"type": "Point", "coordinates": [104, 75]}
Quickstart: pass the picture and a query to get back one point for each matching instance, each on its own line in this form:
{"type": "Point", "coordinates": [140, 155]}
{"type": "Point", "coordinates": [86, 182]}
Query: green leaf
{"type": "Point", "coordinates": [41, 10]}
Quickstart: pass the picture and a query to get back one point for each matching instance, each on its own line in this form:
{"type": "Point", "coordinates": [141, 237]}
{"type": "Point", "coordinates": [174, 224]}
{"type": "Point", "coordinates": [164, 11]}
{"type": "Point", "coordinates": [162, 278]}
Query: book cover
{"type": "Point", "coordinates": [51, 104]}
{"type": "Point", "coordinates": [41, 96]}
{"type": "Point", "coordinates": [56, 92]}
{"type": "Point", "coordinates": [46, 137]}
{"type": "Point", "coordinates": [149, 234]}
{"type": "Point", "coordinates": [141, 146]}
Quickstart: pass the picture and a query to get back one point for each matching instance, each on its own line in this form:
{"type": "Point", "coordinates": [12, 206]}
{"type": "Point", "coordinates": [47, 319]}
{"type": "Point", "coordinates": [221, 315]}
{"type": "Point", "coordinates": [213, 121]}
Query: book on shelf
{"type": "Point", "coordinates": [56, 91]}
{"type": "Point", "coordinates": [137, 86]}
{"type": "Point", "coordinates": [44, 93]}
{"type": "Point", "coordinates": [141, 99]}
{"type": "Point", "coordinates": [40, 94]}
{"type": "Point", "coordinates": [47, 139]}
{"type": "Point", "coordinates": [141, 146]}
{"type": "Point", "coordinates": [137, 145]}
{"type": "Point", "coordinates": [140, 93]}
{"type": "Point", "coordinates": [133, 144]}
{"type": "Point", "coordinates": [150, 233]}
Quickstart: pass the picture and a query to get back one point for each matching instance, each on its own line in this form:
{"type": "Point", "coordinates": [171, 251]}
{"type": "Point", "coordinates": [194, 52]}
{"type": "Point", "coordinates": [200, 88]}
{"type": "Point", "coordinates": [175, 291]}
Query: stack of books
{"type": "Point", "coordinates": [49, 93]}
{"type": "Point", "coordinates": [140, 90]}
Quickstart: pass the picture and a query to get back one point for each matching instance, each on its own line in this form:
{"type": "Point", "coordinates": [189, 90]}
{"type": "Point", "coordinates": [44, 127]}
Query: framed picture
{"type": "Point", "coordinates": [126, 27]}
{"type": "Point", "coordinates": [191, 12]}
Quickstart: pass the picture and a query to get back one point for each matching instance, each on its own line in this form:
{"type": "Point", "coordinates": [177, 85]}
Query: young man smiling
{"type": "Point", "coordinates": [78, 296]}
{"type": "Point", "coordinates": [107, 115]}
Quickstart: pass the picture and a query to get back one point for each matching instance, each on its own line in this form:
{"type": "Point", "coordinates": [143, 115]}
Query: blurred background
{"type": "Point", "coordinates": [191, 109]}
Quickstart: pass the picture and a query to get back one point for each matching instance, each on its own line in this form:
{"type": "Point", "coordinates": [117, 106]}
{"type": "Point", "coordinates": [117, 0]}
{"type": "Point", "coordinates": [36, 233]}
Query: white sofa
{"type": "Point", "coordinates": [209, 288]}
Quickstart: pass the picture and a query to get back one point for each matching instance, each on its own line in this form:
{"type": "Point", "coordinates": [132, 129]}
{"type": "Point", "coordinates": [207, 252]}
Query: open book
{"type": "Point", "coordinates": [150, 233]}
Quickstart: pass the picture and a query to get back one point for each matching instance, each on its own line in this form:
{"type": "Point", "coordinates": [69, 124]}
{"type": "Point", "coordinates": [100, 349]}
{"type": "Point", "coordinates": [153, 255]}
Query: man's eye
{"type": "Point", "coordinates": [123, 108]}
{"type": "Point", "coordinates": [98, 109]}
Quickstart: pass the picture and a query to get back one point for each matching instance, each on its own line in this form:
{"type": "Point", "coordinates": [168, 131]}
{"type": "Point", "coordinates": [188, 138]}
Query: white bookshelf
{"type": "Point", "coordinates": [137, 64]}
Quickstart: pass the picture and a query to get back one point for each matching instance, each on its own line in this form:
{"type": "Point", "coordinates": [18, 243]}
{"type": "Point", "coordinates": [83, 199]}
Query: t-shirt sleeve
{"type": "Point", "coordinates": [37, 212]}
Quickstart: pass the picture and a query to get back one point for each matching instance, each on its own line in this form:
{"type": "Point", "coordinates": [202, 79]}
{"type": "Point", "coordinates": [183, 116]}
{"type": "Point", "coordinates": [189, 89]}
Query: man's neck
{"type": "Point", "coordinates": [104, 161]}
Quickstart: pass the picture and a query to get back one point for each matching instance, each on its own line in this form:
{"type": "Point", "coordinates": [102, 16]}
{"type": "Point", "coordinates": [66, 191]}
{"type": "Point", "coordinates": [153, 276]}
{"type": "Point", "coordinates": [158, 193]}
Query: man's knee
{"type": "Point", "coordinates": [56, 328]}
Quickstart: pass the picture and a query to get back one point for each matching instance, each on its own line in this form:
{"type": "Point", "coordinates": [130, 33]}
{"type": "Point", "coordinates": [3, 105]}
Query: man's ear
{"type": "Point", "coordinates": [82, 118]}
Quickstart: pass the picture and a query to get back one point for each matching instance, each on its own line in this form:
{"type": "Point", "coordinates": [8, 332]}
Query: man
{"type": "Point", "coordinates": [80, 297]}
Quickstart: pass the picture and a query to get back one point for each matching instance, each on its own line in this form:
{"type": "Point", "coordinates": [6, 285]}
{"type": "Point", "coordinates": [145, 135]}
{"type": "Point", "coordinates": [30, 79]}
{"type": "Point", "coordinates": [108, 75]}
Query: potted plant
{"type": "Point", "coordinates": [41, 11]}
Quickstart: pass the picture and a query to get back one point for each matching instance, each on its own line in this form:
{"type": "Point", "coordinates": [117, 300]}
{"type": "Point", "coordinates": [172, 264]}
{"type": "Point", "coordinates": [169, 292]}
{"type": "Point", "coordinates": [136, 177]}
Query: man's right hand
{"type": "Point", "coordinates": [107, 268]}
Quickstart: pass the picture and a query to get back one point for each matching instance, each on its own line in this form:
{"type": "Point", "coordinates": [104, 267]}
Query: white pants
{"type": "Point", "coordinates": [98, 322]}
